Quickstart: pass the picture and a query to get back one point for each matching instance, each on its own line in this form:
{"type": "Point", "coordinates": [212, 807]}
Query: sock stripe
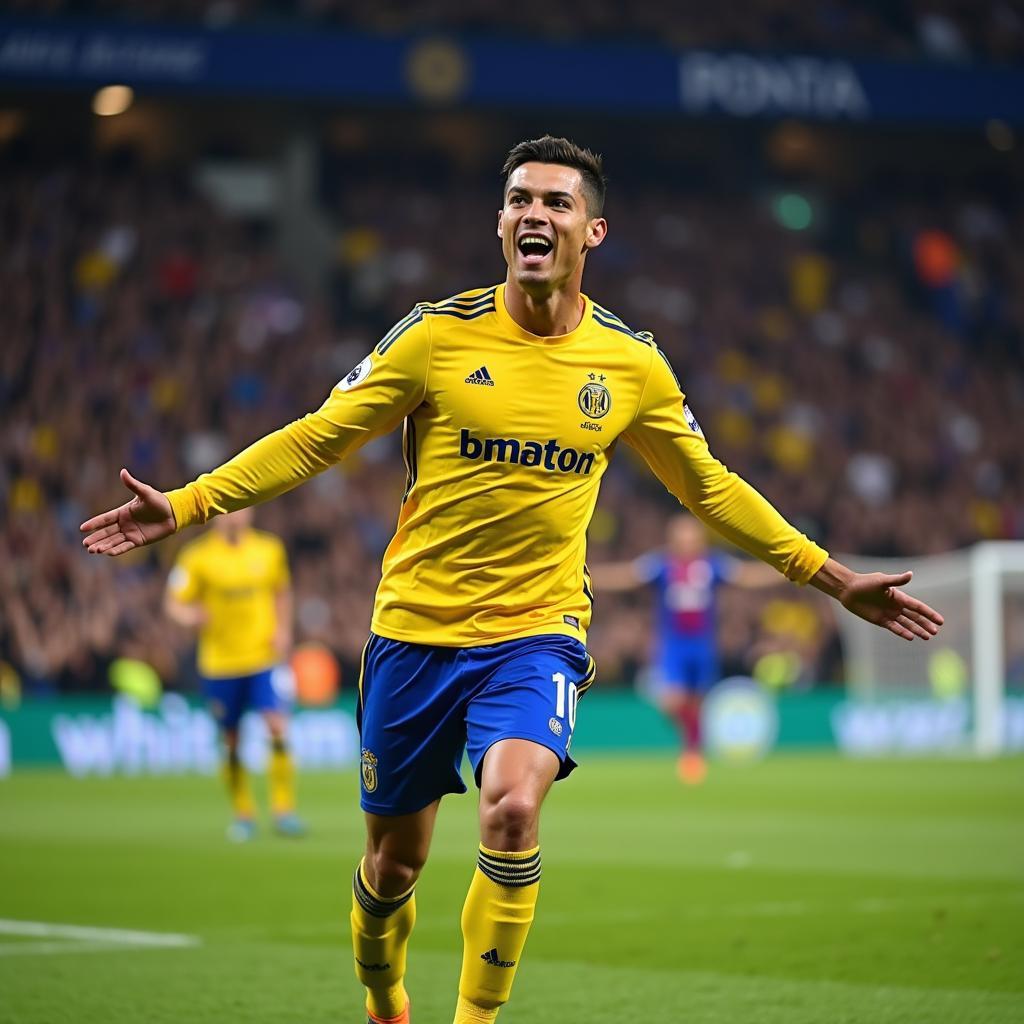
{"type": "Point", "coordinates": [510, 865]}
{"type": "Point", "coordinates": [510, 870]}
{"type": "Point", "coordinates": [376, 906]}
{"type": "Point", "coordinates": [511, 881]}
{"type": "Point", "coordinates": [524, 872]}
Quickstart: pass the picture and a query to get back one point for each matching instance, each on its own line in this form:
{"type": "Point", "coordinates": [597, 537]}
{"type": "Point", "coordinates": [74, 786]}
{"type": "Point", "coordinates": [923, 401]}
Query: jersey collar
{"type": "Point", "coordinates": [511, 329]}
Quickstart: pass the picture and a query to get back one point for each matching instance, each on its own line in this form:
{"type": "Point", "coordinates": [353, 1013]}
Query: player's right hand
{"type": "Point", "coordinates": [145, 519]}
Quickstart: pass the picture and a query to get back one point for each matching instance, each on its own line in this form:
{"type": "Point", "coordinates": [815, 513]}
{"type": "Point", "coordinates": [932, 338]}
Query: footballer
{"type": "Point", "coordinates": [511, 399]}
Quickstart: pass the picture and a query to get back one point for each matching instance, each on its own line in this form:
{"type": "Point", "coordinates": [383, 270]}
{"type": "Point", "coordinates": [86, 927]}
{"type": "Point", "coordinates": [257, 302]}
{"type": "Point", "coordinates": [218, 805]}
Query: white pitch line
{"type": "Point", "coordinates": [110, 937]}
{"type": "Point", "coordinates": [65, 946]}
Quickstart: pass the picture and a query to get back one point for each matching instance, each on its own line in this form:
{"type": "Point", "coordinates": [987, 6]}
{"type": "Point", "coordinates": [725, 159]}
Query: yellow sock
{"type": "Point", "coordinates": [281, 778]}
{"type": "Point", "coordinates": [469, 1013]}
{"type": "Point", "coordinates": [380, 939]}
{"type": "Point", "coordinates": [237, 780]}
{"type": "Point", "coordinates": [495, 922]}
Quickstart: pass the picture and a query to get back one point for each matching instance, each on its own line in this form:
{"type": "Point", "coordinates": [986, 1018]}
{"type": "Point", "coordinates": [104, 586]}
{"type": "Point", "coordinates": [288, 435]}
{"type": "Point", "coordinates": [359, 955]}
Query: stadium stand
{"type": "Point", "coordinates": [152, 329]}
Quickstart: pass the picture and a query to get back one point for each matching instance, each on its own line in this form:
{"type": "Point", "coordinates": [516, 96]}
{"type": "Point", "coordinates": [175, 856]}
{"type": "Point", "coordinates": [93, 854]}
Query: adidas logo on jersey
{"type": "Point", "coordinates": [481, 376]}
{"type": "Point", "coordinates": [491, 957]}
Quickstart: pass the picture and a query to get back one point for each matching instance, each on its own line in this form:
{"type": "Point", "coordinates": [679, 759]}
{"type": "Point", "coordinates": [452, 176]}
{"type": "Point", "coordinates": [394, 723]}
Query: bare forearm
{"type": "Point", "coordinates": [756, 576]}
{"type": "Point", "coordinates": [284, 634]}
{"type": "Point", "coordinates": [190, 616]}
{"type": "Point", "coordinates": [615, 576]}
{"type": "Point", "coordinates": [833, 578]}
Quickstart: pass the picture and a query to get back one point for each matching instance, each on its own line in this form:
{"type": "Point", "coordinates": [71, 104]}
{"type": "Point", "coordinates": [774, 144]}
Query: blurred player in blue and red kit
{"type": "Point", "coordinates": [686, 575]}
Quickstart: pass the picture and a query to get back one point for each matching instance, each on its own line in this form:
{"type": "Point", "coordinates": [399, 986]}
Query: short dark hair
{"type": "Point", "coordinates": [549, 150]}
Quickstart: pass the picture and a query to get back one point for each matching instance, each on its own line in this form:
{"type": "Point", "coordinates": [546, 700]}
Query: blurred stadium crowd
{"type": "Point", "coordinates": [867, 380]}
{"type": "Point", "coordinates": [944, 30]}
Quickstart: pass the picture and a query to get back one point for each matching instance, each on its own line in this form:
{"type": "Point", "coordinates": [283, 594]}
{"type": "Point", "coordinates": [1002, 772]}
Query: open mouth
{"type": "Point", "coordinates": [534, 248]}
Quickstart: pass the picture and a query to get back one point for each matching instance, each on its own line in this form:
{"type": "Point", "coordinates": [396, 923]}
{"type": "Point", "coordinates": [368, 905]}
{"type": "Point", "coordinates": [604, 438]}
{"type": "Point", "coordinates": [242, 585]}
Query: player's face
{"type": "Point", "coordinates": [545, 228]}
{"type": "Point", "coordinates": [234, 523]}
{"type": "Point", "coordinates": [686, 538]}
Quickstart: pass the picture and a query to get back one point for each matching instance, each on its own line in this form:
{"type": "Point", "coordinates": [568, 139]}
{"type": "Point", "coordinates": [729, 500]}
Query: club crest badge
{"type": "Point", "coordinates": [356, 375]}
{"type": "Point", "coordinates": [368, 770]}
{"type": "Point", "coordinates": [594, 400]}
{"type": "Point", "coordinates": [555, 726]}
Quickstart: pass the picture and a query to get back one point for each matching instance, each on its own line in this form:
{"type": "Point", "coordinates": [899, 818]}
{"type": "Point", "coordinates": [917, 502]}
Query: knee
{"type": "Point", "coordinates": [508, 819]}
{"type": "Point", "coordinates": [392, 872]}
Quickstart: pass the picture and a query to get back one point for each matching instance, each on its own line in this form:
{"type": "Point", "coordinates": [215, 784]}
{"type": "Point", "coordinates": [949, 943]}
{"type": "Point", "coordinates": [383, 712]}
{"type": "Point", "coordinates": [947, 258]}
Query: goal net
{"type": "Point", "coordinates": [974, 669]}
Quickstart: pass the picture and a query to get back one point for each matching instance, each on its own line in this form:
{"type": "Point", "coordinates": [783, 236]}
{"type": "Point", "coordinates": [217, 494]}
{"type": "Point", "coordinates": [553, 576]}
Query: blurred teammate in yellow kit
{"type": "Point", "coordinates": [513, 399]}
{"type": "Point", "coordinates": [232, 585]}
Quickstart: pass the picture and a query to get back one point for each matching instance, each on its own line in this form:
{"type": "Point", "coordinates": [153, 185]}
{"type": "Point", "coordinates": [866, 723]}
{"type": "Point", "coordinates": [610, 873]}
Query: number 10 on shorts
{"type": "Point", "coordinates": [561, 696]}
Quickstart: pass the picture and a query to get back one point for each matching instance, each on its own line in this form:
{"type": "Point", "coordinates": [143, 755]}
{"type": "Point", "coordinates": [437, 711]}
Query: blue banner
{"type": "Point", "coordinates": [300, 64]}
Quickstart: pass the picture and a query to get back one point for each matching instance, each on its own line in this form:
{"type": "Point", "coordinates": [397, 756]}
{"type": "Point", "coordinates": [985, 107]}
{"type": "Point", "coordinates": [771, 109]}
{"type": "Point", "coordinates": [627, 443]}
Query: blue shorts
{"type": "Point", "coordinates": [421, 707]}
{"type": "Point", "coordinates": [230, 697]}
{"type": "Point", "coordinates": [688, 665]}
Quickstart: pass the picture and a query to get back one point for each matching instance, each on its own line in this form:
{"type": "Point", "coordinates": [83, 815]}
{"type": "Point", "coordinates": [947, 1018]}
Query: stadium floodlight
{"type": "Point", "coordinates": [980, 591]}
{"type": "Point", "coordinates": [112, 100]}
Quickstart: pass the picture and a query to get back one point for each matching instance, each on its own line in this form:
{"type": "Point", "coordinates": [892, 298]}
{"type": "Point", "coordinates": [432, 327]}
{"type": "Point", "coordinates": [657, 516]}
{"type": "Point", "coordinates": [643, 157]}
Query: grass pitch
{"type": "Point", "coordinates": [805, 890]}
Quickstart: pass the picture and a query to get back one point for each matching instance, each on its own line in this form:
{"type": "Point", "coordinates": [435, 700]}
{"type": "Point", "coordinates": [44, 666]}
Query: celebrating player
{"type": "Point", "coordinates": [512, 398]}
{"type": "Point", "coordinates": [686, 576]}
{"type": "Point", "coordinates": [232, 585]}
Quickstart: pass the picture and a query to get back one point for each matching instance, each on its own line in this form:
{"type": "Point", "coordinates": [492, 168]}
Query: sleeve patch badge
{"type": "Point", "coordinates": [691, 420]}
{"type": "Point", "coordinates": [356, 376]}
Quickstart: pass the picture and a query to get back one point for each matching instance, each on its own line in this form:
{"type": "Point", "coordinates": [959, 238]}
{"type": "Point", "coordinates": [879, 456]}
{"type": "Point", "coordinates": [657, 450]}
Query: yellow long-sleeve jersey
{"type": "Point", "coordinates": [238, 587]}
{"type": "Point", "coordinates": [506, 438]}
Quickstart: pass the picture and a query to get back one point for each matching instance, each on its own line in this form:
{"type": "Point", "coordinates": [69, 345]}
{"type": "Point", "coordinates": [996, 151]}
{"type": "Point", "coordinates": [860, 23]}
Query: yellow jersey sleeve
{"type": "Point", "coordinates": [371, 400]}
{"type": "Point", "coordinates": [668, 437]}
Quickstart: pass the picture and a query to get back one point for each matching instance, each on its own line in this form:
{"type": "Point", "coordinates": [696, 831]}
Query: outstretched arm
{"type": "Point", "coordinates": [672, 444]}
{"type": "Point", "coordinates": [189, 614]}
{"type": "Point", "coordinates": [876, 598]}
{"type": "Point", "coordinates": [753, 576]}
{"type": "Point", "coordinates": [674, 447]}
{"type": "Point", "coordinates": [385, 387]}
{"type": "Point", "coordinates": [284, 631]}
{"type": "Point", "coordinates": [616, 576]}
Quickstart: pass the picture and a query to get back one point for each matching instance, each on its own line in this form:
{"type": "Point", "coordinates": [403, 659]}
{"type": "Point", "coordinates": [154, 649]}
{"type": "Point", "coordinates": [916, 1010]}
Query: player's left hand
{"type": "Point", "coordinates": [876, 598]}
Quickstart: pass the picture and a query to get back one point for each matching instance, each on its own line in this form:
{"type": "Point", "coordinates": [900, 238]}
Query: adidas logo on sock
{"type": "Point", "coordinates": [491, 956]}
{"type": "Point", "coordinates": [481, 376]}
{"type": "Point", "coordinates": [373, 967]}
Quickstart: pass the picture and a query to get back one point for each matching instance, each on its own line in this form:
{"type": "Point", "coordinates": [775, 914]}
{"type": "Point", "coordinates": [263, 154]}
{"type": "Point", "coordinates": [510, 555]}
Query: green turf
{"type": "Point", "coordinates": [806, 890]}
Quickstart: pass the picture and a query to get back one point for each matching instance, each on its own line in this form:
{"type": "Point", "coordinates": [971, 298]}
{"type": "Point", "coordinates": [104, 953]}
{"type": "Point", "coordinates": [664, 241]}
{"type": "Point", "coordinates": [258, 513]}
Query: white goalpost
{"type": "Point", "coordinates": [976, 659]}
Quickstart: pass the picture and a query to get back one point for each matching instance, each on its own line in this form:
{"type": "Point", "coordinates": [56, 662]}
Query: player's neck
{"type": "Point", "coordinates": [547, 317]}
